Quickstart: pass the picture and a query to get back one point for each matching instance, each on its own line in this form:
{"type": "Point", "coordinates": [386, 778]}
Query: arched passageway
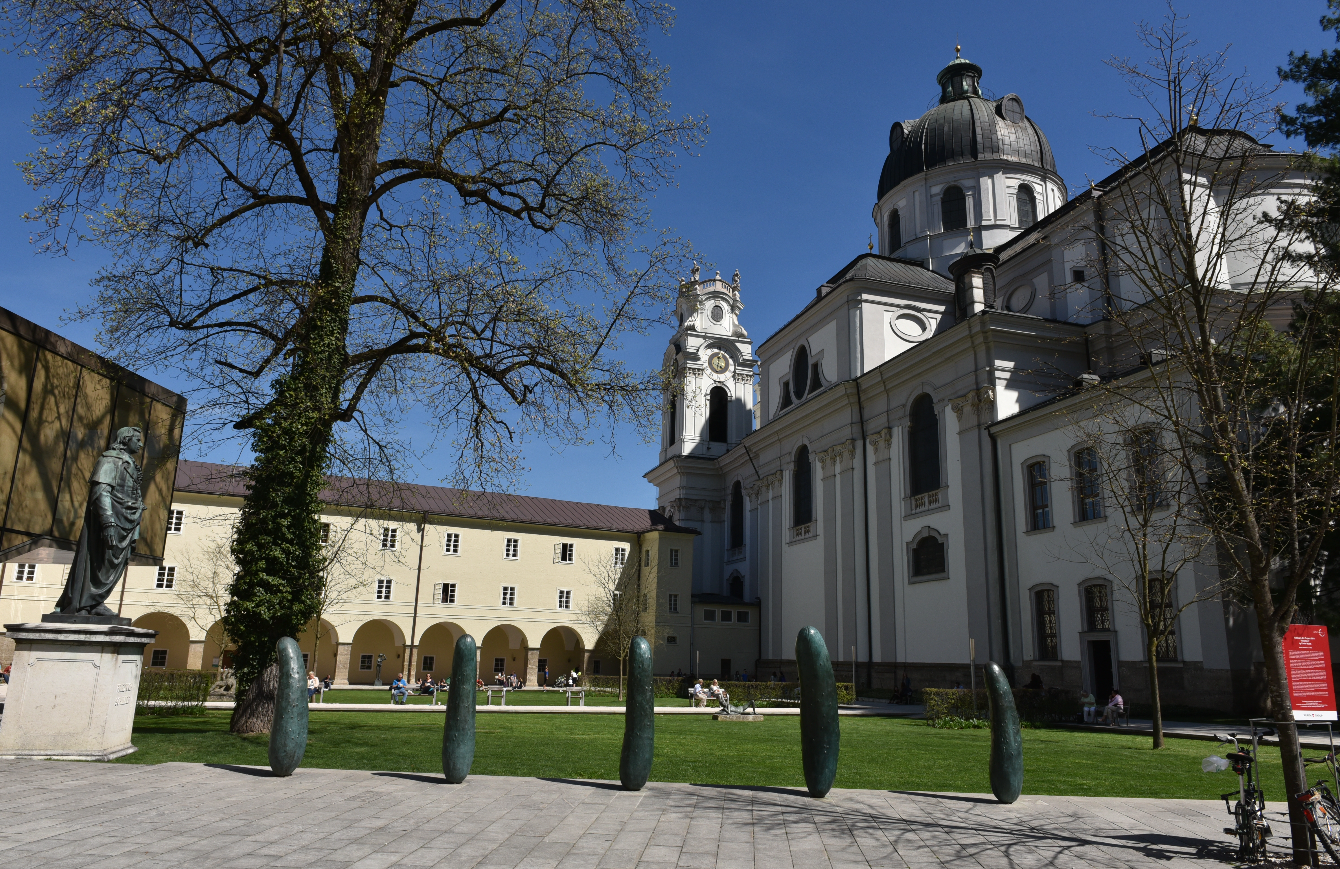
{"type": "Point", "coordinates": [437, 649]}
{"type": "Point", "coordinates": [561, 651]}
{"type": "Point", "coordinates": [503, 651]}
{"type": "Point", "coordinates": [376, 638]}
{"type": "Point", "coordinates": [320, 649]}
{"type": "Point", "coordinates": [171, 649]}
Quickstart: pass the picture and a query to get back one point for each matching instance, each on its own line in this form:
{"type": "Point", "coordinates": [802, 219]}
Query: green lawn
{"type": "Point", "coordinates": [519, 698]}
{"type": "Point", "coordinates": [885, 753]}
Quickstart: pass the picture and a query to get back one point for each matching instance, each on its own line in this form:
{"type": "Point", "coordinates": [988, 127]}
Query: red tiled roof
{"type": "Point", "coordinates": [206, 478]}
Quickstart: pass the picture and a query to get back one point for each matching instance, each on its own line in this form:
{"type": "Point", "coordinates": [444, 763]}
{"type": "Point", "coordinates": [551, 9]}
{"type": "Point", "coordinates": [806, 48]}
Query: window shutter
{"type": "Point", "coordinates": [558, 552]}
{"type": "Point", "coordinates": [437, 592]}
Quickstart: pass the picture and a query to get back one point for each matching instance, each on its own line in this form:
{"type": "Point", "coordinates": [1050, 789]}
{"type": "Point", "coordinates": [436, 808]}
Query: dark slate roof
{"type": "Point", "coordinates": [961, 130]}
{"type": "Point", "coordinates": [889, 270]}
{"type": "Point", "coordinates": [205, 478]}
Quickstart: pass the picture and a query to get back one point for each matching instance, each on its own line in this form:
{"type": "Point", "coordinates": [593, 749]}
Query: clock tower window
{"type": "Point", "coordinates": [718, 409]}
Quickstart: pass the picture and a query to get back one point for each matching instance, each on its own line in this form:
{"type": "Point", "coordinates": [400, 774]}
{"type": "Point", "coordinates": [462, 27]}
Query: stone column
{"type": "Point", "coordinates": [411, 662]}
{"type": "Point", "coordinates": [195, 656]}
{"type": "Point", "coordinates": [532, 667]}
{"type": "Point", "coordinates": [884, 546]}
{"type": "Point", "coordinates": [342, 658]}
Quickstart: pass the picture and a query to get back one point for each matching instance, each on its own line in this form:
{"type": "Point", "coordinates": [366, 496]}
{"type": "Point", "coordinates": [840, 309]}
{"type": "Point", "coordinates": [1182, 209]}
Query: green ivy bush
{"type": "Point", "coordinates": [1034, 706]}
{"type": "Point", "coordinates": [174, 692]}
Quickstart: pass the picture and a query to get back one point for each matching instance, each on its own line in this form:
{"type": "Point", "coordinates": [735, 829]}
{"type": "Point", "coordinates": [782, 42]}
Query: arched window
{"type": "Point", "coordinates": [674, 420]}
{"type": "Point", "coordinates": [737, 586]}
{"type": "Point", "coordinates": [718, 408]}
{"type": "Point", "coordinates": [928, 556]}
{"type": "Point", "coordinates": [736, 516]}
{"type": "Point", "coordinates": [1088, 486]}
{"type": "Point", "coordinates": [1028, 206]}
{"type": "Point", "coordinates": [1044, 620]}
{"type": "Point", "coordinates": [1039, 497]}
{"type": "Point", "coordinates": [953, 209]}
{"type": "Point", "coordinates": [800, 372]}
{"type": "Point", "coordinates": [802, 489]}
{"type": "Point", "coordinates": [895, 231]}
{"type": "Point", "coordinates": [923, 446]}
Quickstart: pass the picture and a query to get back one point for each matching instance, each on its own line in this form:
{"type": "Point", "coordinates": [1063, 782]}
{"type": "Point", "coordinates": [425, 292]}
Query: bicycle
{"type": "Point", "coordinates": [1321, 811]}
{"type": "Point", "coordinates": [1249, 813]}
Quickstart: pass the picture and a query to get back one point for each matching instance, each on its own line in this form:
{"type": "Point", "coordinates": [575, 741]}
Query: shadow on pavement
{"type": "Point", "coordinates": [259, 771]}
{"type": "Point", "coordinates": [427, 778]}
{"type": "Point", "coordinates": [600, 785]}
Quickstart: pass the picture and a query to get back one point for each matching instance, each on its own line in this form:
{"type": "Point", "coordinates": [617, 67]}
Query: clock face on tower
{"type": "Point", "coordinates": [718, 363]}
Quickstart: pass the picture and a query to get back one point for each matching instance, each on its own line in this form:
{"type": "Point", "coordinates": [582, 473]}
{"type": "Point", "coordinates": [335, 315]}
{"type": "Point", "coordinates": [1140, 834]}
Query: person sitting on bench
{"type": "Point", "coordinates": [719, 694]}
{"type": "Point", "coordinates": [1115, 708]}
{"type": "Point", "coordinates": [697, 694]}
{"type": "Point", "coordinates": [399, 689]}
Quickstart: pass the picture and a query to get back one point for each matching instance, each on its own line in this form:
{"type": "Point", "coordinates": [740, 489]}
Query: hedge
{"type": "Point", "coordinates": [740, 692]}
{"type": "Point", "coordinates": [174, 692]}
{"type": "Point", "coordinates": [1036, 706]}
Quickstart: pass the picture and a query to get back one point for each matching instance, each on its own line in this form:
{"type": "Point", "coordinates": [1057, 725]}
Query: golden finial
{"type": "Point", "coordinates": [870, 244]}
{"type": "Point", "coordinates": [957, 50]}
{"type": "Point", "coordinates": [1195, 118]}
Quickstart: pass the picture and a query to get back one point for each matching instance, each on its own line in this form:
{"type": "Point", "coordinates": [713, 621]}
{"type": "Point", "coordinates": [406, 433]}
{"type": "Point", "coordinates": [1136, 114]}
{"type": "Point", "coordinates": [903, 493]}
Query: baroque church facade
{"type": "Point", "coordinates": [882, 466]}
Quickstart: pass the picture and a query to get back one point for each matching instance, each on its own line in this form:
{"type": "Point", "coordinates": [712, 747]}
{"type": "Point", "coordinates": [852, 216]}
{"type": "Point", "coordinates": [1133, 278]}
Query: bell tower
{"type": "Point", "coordinates": [711, 407]}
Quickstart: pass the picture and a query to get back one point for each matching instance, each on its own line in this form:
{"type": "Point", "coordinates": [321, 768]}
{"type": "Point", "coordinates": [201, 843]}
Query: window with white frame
{"type": "Point", "coordinates": [512, 548]}
{"type": "Point", "coordinates": [674, 558]}
{"type": "Point", "coordinates": [1039, 497]}
{"type": "Point", "coordinates": [384, 588]}
{"type": "Point", "coordinates": [727, 616]}
{"type": "Point", "coordinates": [564, 553]}
{"type": "Point", "coordinates": [451, 544]}
{"type": "Point", "coordinates": [167, 576]}
{"type": "Point", "coordinates": [709, 615]}
{"type": "Point", "coordinates": [620, 556]}
{"type": "Point", "coordinates": [175, 518]}
{"type": "Point", "coordinates": [365, 662]}
{"type": "Point", "coordinates": [742, 617]}
{"type": "Point", "coordinates": [672, 604]}
{"type": "Point", "coordinates": [390, 537]}
{"type": "Point", "coordinates": [444, 592]}
{"type": "Point", "coordinates": [25, 573]}
{"type": "Point", "coordinates": [508, 595]}
{"type": "Point", "coordinates": [565, 598]}
{"type": "Point", "coordinates": [426, 665]}
{"type": "Point", "coordinates": [325, 533]}
{"type": "Point", "coordinates": [1088, 486]}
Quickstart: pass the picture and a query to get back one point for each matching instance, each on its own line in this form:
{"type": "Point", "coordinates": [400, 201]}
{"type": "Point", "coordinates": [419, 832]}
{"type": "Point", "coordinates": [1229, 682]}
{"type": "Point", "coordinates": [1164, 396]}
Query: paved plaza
{"type": "Point", "coordinates": [108, 816]}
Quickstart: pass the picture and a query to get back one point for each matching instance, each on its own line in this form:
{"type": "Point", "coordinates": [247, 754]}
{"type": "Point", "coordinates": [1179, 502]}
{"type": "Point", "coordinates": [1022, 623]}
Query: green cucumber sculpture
{"type": "Point", "coordinates": [458, 734]}
{"type": "Point", "coordinates": [818, 712]}
{"type": "Point", "coordinates": [1007, 744]}
{"type": "Point", "coordinates": [288, 732]}
{"type": "Point", "coordinates": [639, 720]}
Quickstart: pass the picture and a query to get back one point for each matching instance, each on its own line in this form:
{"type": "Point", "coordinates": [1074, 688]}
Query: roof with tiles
{"type": "Point", "coordinates": [206, 478]}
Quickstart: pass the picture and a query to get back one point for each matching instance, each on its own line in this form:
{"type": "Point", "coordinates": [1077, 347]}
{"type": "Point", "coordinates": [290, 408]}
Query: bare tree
{"type": "Point", "coordinates": [1200, 281]}
{"type": "Point", "coordinates": [620, 605]}
{"type": "Point", "coordinates": [333, 213]}
{"type": "Point", "coordinates": [205, 580]}
{"type": "Point", "coordinates": [1151, 535]}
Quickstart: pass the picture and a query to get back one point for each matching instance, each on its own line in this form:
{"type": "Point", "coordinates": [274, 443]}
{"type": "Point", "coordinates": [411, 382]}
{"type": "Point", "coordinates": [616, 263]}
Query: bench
{"type": "Point", "coordinates": [502, 696]}
{"type": "Point", "coordinates": [581, 695]}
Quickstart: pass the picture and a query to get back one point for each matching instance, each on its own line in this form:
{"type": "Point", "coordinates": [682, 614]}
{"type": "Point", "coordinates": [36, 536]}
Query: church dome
{"type": "Point", "coordinates": [965, 126]}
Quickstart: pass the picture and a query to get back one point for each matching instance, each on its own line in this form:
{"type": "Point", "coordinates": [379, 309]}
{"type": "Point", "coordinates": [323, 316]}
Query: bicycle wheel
{"type": "Point", "coordinates": [1326, 824]}
{"type": "Point", "coordinates": [1251, 834]}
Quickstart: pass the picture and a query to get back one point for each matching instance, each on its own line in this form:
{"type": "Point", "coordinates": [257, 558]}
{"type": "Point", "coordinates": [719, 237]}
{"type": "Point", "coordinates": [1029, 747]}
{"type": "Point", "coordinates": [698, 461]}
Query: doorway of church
{"type": "Point", "coordinates": [1100, 669]}
{"type": "Point", "coordinates": [725, 669]}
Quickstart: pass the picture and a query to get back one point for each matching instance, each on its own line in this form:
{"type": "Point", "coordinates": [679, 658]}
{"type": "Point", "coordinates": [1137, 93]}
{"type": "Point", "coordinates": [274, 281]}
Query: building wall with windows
{"type": "Point", "coordinates": [404, 584]}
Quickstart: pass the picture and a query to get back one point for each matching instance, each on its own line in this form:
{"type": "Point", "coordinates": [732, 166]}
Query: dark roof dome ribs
{"type": "Point", "coordinates": [964, 127]}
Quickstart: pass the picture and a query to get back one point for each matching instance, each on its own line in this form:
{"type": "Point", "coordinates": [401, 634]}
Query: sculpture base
{"type": "Point", "coordinates": [81, 619]}
{"type": "Point", "coordinates": [724, 716]}
{"type": "Point", "coordinates": [72, 690]}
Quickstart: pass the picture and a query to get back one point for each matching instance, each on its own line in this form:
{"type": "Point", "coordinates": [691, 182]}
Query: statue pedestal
{"type": "Point", "coordinates": [72, 690]}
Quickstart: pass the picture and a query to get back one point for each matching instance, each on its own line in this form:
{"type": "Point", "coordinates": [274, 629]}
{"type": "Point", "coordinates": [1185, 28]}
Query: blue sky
{"type": "Point", "coordinates": [799, 98]}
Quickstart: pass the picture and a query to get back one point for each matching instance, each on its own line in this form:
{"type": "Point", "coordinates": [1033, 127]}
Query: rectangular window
{"type": "Point", "coordinates": [595, 667]}
{"type": "Point", "coordinates": [1039, 497]}
{"type": "Point", "coordinates": [158, 658]}
{"type": "Point", "coordinates": [175, 518]}
{"type": "Point", "coordinates": [565, 598]}
{"type": "Point", "coordinates": [1147, 485]}
{"type": "Point", "coordinates": [709, 615]}
{"type": "Point", "coordinates": [673, 605]}
{"type": "Point", "coordinates": [512, 548]}
{"type": "Point", "coordinates": [564, 553]}
{"type": "Point", "coordinates": [674, 558]}
{"type": "Point", "coordinates": [1077, 275]}
{"type": "Point", "coordinates": [499, 666]}
{"type": "Point", "coordinates": [727, 615]}
{"type": "Point", "coordinates": [383, 588]}
{"type": "Point", "coordinates": [646, 558]}
{"type": "Point", "coordinates": [390, 537]}
{"type": "Point", "coordinates": [325, 533]}
{"type": "Point", "coordinates": [672, 640]}
{"type": "Point", "coordinates": [365, 662]}
{"type": "Point", "coordinates": [448, 593]}
{"type": "Point", "coordinates": [542, 665]}
{"type": "Point", "coordinates": [509, 595]}
{"type": "Point", "coordinates": [1044, 608]}
{"type": "Point", "coordinates": [1161, 605]}
{"type": "Point", "coordinates": [742, 617]}
{"type": "Point", "coordinates": [305, 663]}
{"type": "Point", "coordinates": [25, 573]}
{"type": "Point", "coordinates": [1088, 487]}
{"type": "Point", "coordinates": [451, 544]}
{"type": "Point", "coordinates": [1097, 607]}
{"type": "Point", "coordinates": [620, 556]}
{"type": "Point", "coordinates": [167, 576]}
{"type": "Point", "coordinates": [426, 665]}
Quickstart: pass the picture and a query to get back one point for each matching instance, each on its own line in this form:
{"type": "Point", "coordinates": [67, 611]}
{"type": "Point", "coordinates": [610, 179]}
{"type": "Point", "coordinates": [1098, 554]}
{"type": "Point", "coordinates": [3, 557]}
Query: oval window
{"type": "Point", "coordinates": [717, 313]}
{"type": "Point", "coordinates": [911, 326]}
{"type": "Point", "coordinates": [1021, 299]}
{"type": "Point", "coordinates": [800, 371]}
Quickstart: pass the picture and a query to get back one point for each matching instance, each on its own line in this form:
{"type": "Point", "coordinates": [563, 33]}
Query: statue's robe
{"type": "Point", "coordinates": [114, 499]}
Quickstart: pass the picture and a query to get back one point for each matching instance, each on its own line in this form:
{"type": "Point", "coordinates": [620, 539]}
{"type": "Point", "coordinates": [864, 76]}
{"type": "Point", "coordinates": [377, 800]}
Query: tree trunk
{"type": "Point", "coordinates": [621, 660]}
{"type": "Point", "coordinates": [1154, 693]}
{"type": "Point", "coordinates": [1291, 752]}
{"type": "Point", "coordinates": [254, 712]}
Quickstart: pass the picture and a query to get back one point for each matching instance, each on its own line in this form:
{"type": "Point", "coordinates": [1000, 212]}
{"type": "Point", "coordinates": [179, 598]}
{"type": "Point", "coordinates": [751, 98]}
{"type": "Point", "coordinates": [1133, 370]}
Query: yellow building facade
{"type": "Point", "coordinates": [411, 569]}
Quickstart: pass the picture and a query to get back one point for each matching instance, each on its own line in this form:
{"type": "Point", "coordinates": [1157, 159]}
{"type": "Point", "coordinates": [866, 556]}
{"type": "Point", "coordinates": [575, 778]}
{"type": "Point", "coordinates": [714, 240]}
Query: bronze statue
{"type": "Point", "coordinates": [111, 527]}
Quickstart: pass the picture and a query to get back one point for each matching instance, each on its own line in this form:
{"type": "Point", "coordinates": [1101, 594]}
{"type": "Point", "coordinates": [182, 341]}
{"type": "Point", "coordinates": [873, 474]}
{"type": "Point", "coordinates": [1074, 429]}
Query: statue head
{"type": "Point", "coordinates": [130, 439]}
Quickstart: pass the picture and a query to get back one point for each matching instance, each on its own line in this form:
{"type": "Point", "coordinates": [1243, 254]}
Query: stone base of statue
{"type": "Point", "coordinates": [72, 690]}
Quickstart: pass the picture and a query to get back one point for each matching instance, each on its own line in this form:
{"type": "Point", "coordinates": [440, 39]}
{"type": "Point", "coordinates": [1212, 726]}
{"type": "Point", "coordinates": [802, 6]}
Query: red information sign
{"type": "Point", "coordinates": [1307, 659]}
